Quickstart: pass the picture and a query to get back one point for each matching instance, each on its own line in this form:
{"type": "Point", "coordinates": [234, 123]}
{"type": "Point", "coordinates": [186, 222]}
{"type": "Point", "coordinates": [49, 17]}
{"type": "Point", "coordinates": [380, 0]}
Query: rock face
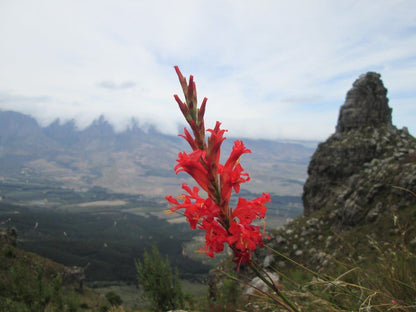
{"type": "Point", "coordinates": [361, 181]}
{"type": "Point", "coordinates": [366, 158]}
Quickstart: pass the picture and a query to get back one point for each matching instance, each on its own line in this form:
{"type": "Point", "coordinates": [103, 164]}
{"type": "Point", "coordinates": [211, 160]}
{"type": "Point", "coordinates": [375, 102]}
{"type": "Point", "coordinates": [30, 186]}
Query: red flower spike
{"type": "Point", "coordinates": [221, 224]}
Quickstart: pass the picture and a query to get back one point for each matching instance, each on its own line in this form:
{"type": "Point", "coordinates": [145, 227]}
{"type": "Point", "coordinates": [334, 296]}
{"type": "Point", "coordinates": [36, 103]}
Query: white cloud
{"type": "Point", "coordinates": [273, 69]}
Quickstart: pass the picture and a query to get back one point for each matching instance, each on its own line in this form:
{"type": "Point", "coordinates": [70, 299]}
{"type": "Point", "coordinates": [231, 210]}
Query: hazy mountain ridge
{"type": "Point", "coordinates": [133, 161]}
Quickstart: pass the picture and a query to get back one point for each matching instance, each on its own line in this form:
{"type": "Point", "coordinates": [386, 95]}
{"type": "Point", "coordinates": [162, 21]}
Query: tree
{"type": "Point", "coordinates": [160, 286]}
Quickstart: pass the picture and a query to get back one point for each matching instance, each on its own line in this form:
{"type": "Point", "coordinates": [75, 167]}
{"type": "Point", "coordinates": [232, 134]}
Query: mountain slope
{"type": "Point", "coordinates": [29, 282]}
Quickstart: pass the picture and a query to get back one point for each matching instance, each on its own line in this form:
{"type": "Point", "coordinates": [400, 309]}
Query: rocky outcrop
{"type": "Point", "coordinates": [366, 104]}
{"type": "Point", "coordinates": [361, 189]}
{"type": "Point", "coordinates": [367, 164]}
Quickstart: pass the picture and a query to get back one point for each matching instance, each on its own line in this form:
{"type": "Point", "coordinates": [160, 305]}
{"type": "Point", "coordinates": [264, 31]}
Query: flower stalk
{"type": "Point", "coordinates": [222, 224]}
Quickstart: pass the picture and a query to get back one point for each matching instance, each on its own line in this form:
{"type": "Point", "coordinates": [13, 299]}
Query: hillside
{"type": "Point", "coordinates": [29, 282]}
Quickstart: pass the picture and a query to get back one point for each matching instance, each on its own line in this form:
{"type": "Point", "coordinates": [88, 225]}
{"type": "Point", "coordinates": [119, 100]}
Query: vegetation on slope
{"type": "Point", "coordinates": [29, 283]}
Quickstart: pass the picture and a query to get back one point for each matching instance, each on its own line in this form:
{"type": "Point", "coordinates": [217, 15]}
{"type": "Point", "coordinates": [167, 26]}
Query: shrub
{"type": "Point", "coordinates": [113, 298]}
{"type": "Point", "coordinates": [160, 286]}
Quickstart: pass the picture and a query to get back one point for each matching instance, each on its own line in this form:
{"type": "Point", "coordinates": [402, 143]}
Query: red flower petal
{"type": "Point", "coordinates": [193, 165]}
{"type": "Point", "coordinates": [248, 210]}
{"type": "Point", "coordinates": [215, 237]}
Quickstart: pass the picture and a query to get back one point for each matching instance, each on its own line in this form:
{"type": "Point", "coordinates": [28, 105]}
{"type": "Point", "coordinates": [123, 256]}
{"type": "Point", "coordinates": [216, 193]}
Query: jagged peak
{"type": "Point", "coordinates": [366, 104]}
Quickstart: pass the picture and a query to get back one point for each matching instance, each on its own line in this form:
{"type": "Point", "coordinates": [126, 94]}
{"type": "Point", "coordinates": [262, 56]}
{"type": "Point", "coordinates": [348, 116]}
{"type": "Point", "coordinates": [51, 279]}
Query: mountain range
{"type": "Point", "coordinates": [134, 161]}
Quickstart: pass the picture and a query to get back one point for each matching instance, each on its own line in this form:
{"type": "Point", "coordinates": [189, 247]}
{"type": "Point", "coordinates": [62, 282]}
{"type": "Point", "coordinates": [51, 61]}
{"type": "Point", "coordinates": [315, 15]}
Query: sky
{"type": "Point", "coordinates": [270, 69]}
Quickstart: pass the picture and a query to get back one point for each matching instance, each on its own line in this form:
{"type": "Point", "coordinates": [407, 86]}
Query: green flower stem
{"type": "Point", "coordinates": [269, 282]}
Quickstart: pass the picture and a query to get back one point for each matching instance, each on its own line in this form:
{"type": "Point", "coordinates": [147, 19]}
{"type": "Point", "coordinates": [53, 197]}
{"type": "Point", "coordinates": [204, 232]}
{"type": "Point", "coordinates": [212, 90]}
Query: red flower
{"type": "Point", "coordinates": [248, 210]}
{"type": "Point", "coordinates": [242, 257]}
{"type": "Point", "coordinates": [244, 239]}
{"type": "Point", "coordinates": [193, 164]}
{"type": "Point", "coordinates": [213, 159]}
{"type": "Point", "coordinates": [215, 237]}
{"type": "Point", "coordinates": [231, 173]}
{"type": "Point", "coordinates": [245, 236]}
{"type": "Point", "coordinates": [196, 208]}
{"type": "Point", "coordinates": [214, 143]}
